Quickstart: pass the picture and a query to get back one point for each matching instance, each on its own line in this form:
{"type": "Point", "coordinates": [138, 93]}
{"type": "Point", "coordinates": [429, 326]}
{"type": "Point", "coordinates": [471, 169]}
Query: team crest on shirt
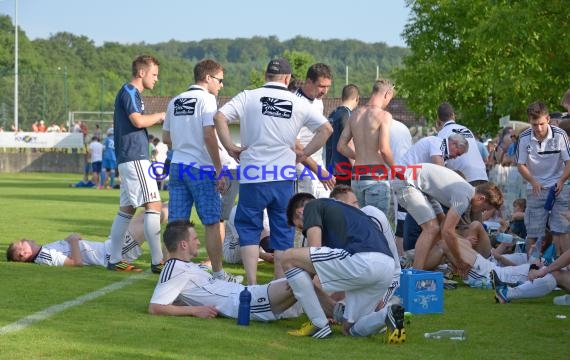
{"type": "Point", "coordinates": [276, 107]}
{"type": "Point", "coordinates": [466, 133]}
{"type": "Point", "coordinates": [184, 106]}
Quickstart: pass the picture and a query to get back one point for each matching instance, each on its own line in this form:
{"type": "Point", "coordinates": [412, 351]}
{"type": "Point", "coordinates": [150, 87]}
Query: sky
{"type": "Point", "coordinates": [135, 21]}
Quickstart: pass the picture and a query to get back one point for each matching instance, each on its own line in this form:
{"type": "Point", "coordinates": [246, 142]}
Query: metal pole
{"type": "Point", "coordinates": [16, 125]}
{"type": "Point", "coordinates": [65, 92]}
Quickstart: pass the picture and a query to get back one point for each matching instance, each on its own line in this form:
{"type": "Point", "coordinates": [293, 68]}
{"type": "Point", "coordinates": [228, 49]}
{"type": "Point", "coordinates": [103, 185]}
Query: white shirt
{"type": "Point", "coordinates": [471, 163]}
{"type": "Point", "coordinates": [92, 252]}
{"type": "Point", "coordinates": [423, 150]}
{"type": "Point", "coordinates": [186, 117]}
{"type": "Point", "coordinates": [306, 135]}
{"type": "Point", "coordinates": [96, 151]}
{"type": "Point", "coordinates": [544, 159]}
{"type": "Point", "coordinates": [443, 185]}
{"type": "Point", "coordinates": [400, 140]}
{"type": "Point", "coordinates": [186, 282]}
{"type": "Point", "coordinates": [55, 254]}
{"type": "Point", "coordinates": [270, 119]}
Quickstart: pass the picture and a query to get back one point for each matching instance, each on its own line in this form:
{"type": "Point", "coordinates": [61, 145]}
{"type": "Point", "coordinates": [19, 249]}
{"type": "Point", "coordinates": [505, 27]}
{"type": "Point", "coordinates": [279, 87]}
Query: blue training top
{"type": "Point", "coordinates": [344, 227]}
{"type": "Point", "coordinates": [131, 143]}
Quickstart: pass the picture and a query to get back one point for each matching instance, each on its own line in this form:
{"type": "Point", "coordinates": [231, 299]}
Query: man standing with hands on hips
{"type": "Point", "coordinates": [270, 119]}
{"type": "Point", "coordinates": [138, 188]}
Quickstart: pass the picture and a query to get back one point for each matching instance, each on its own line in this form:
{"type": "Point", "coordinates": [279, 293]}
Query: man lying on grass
{"type": "Point", "coordinates": [75, 251]}
{"type": "Point", "coordinates": [184, 288]}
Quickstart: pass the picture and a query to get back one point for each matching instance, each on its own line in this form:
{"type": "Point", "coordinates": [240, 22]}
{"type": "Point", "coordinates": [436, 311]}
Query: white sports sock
{"type": "Point", "coordinates": [152, 235]}
{"type": "Point", "coordinates": [303, 289]}
{"type": "Point", "coordinates": [531, 289]}
{"type": "Point", "coordinates": [369, 324]}
{"type": "Point", "coordinates": [118, 230]}
{"type": "Point", "coordinates": [513, 274]}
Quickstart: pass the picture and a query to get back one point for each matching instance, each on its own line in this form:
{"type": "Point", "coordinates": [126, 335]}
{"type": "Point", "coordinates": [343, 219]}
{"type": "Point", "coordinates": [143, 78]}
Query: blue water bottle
{"type": "Point", "coordinates": [549, 204]}
{"type": "Point", "coordinates": [244, 307]}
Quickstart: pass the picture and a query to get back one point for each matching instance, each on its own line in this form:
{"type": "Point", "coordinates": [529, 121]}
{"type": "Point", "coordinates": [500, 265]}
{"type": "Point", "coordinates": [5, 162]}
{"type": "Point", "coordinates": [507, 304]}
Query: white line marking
{"type": "Point", "coordinates": [52, 310]}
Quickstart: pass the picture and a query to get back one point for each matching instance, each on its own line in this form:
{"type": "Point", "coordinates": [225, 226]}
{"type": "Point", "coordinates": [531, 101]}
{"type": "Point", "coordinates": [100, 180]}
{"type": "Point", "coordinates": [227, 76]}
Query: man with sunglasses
{"type": "Point", "coordinates": [189, 129]}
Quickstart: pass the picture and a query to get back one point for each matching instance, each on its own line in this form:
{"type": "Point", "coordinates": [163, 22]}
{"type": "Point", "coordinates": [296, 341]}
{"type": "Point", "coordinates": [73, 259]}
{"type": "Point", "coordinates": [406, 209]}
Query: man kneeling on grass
{"type": "Point", "coordinates": [184, 288]}
{"type": "Point", "coordinates": [75, 251]}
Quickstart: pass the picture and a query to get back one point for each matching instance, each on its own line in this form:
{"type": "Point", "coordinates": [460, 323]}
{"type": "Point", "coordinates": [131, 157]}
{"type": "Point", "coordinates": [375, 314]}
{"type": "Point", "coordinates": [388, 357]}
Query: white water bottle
{"type": "Point", "coordinates": [459, 335]}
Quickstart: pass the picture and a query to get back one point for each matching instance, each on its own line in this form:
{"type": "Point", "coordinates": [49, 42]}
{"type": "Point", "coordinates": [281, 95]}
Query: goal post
{"type": "Point", "coordinates": [91, 118]}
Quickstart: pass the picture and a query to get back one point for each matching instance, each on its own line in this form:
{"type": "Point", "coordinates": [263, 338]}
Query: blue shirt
{"type": "Point", "coordinates": [338, 119]}
{"type": "Point", "coordinates": [344, 227]}
{"type": "Point", "coordinates": [131, 143]}
{"type": "Point", "coordinates": [109, 149]}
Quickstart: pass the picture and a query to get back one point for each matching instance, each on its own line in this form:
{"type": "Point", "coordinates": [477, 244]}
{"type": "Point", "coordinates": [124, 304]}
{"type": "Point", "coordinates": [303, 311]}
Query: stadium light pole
{"type": "Point", "coordinates": [16, 85]}
{"type": "Point", "coordinates": [65, 91]}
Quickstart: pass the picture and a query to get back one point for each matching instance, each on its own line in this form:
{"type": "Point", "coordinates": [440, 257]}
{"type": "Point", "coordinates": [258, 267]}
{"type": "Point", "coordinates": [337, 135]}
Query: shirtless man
{"type": "Point", "coordinates": [369, 127]}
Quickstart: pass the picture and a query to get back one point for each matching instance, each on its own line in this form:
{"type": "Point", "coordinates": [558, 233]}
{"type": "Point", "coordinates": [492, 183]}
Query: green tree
{"type": "Point", "coordinates": [472, 53]}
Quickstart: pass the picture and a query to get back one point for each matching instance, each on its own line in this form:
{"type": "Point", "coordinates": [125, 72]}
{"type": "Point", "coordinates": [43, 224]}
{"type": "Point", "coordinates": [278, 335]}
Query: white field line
{"type": "Point", "coordinates": [52, 310]}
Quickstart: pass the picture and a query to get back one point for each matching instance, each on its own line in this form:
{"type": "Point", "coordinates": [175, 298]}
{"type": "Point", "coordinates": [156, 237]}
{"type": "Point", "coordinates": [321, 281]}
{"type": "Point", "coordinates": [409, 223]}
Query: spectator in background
{"type": "Point", "coordinates": [42, 126]}
{"type": "Point", "coordinates": [53, 128]}
{"type": "Point", "coordinates": [482, 148]}
{"type": "Point", "coordinates": [97, 131]}
{"type": "Point", "coordinates": [95, 150]}
{"type": "Point", "coordinates": [35, 127]}
{"type": "Point", "coordinates": [470, 164]}
{"type": "Point", "coordinates": [109, 161]}
{"type": "Point", "coordinates": [503, 142]}
{"type": "Point", "coordinates": [84, 129]}
{"type": "Point", "coordinates": [555, 118]}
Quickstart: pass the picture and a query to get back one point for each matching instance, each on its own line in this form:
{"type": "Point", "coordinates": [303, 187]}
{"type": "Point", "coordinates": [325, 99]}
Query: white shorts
{"type": "Point", "coordinates": [364, 277]}
{"type": "Point", "coordinates": [137, 186]}
{"type": "Point", "coordinates": [261, 306]}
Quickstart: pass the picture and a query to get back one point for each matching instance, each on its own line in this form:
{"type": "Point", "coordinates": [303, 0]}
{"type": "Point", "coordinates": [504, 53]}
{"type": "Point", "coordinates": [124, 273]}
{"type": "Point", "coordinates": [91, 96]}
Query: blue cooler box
{"type": "Point", "coordinates": [421, 291]}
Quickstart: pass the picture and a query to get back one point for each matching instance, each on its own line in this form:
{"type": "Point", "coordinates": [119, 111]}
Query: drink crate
{"type": "Point", "coordinates": [421, 291]}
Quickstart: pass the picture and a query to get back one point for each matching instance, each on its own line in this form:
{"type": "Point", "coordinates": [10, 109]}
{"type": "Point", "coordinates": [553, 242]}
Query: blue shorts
{"type": "Point", "coordinates": [184, 191]}
{"type": "Point", "coordinates": [109, 164]}
{"type": "Point", "coordinates": [273, 196]}
{"type": "Point", "coordinates": [96, 166]}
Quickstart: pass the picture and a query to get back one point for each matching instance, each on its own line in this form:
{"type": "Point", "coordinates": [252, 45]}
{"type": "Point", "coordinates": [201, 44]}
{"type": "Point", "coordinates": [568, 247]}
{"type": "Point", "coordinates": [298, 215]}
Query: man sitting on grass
{"type": "Point", "coordinates": [75, 251]}
{"type": "Point", "coordinates": [185, 289]}
{"type": "Point", "coordinates": [509, 282]}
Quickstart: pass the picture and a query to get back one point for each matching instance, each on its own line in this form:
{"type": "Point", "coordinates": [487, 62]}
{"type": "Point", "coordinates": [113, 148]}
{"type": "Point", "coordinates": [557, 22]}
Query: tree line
{"type": "Point", "coordinates": [67, 72]}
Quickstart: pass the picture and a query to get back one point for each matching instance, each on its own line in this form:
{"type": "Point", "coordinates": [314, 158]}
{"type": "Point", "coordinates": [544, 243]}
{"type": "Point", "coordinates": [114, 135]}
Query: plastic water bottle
{"type": "Point", "coordinates": [504, 238]}
{"type": "Point", "coordinates": [458, 335]}
{"type": "Point", "coordinates": [244, 307]}
{"type": "Point", "coordinates": [549, 204]}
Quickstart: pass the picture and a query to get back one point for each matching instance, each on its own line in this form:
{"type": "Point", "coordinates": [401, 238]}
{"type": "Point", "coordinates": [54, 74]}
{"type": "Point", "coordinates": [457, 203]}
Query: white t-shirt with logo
{"type": "Point", "coordinates": [186, 117]}
{"type": "Point", "coordinates": [270, 119]}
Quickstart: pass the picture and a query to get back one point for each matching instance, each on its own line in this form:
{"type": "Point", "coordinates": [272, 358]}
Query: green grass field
{"type": "Point", "coordinates": [116, 325]}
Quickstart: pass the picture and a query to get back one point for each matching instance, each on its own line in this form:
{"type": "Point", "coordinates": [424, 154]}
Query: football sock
{"type": "Point", "coordinates": [531, 289]}
{"type": "Point", "coordinates": [152, 235]}
{"type": "Point", "coordinates": [302, 287]}
{"type": "Point", "coordinates": [118, 230]}
{"type": "Point", "coordinates": [369, 324]}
